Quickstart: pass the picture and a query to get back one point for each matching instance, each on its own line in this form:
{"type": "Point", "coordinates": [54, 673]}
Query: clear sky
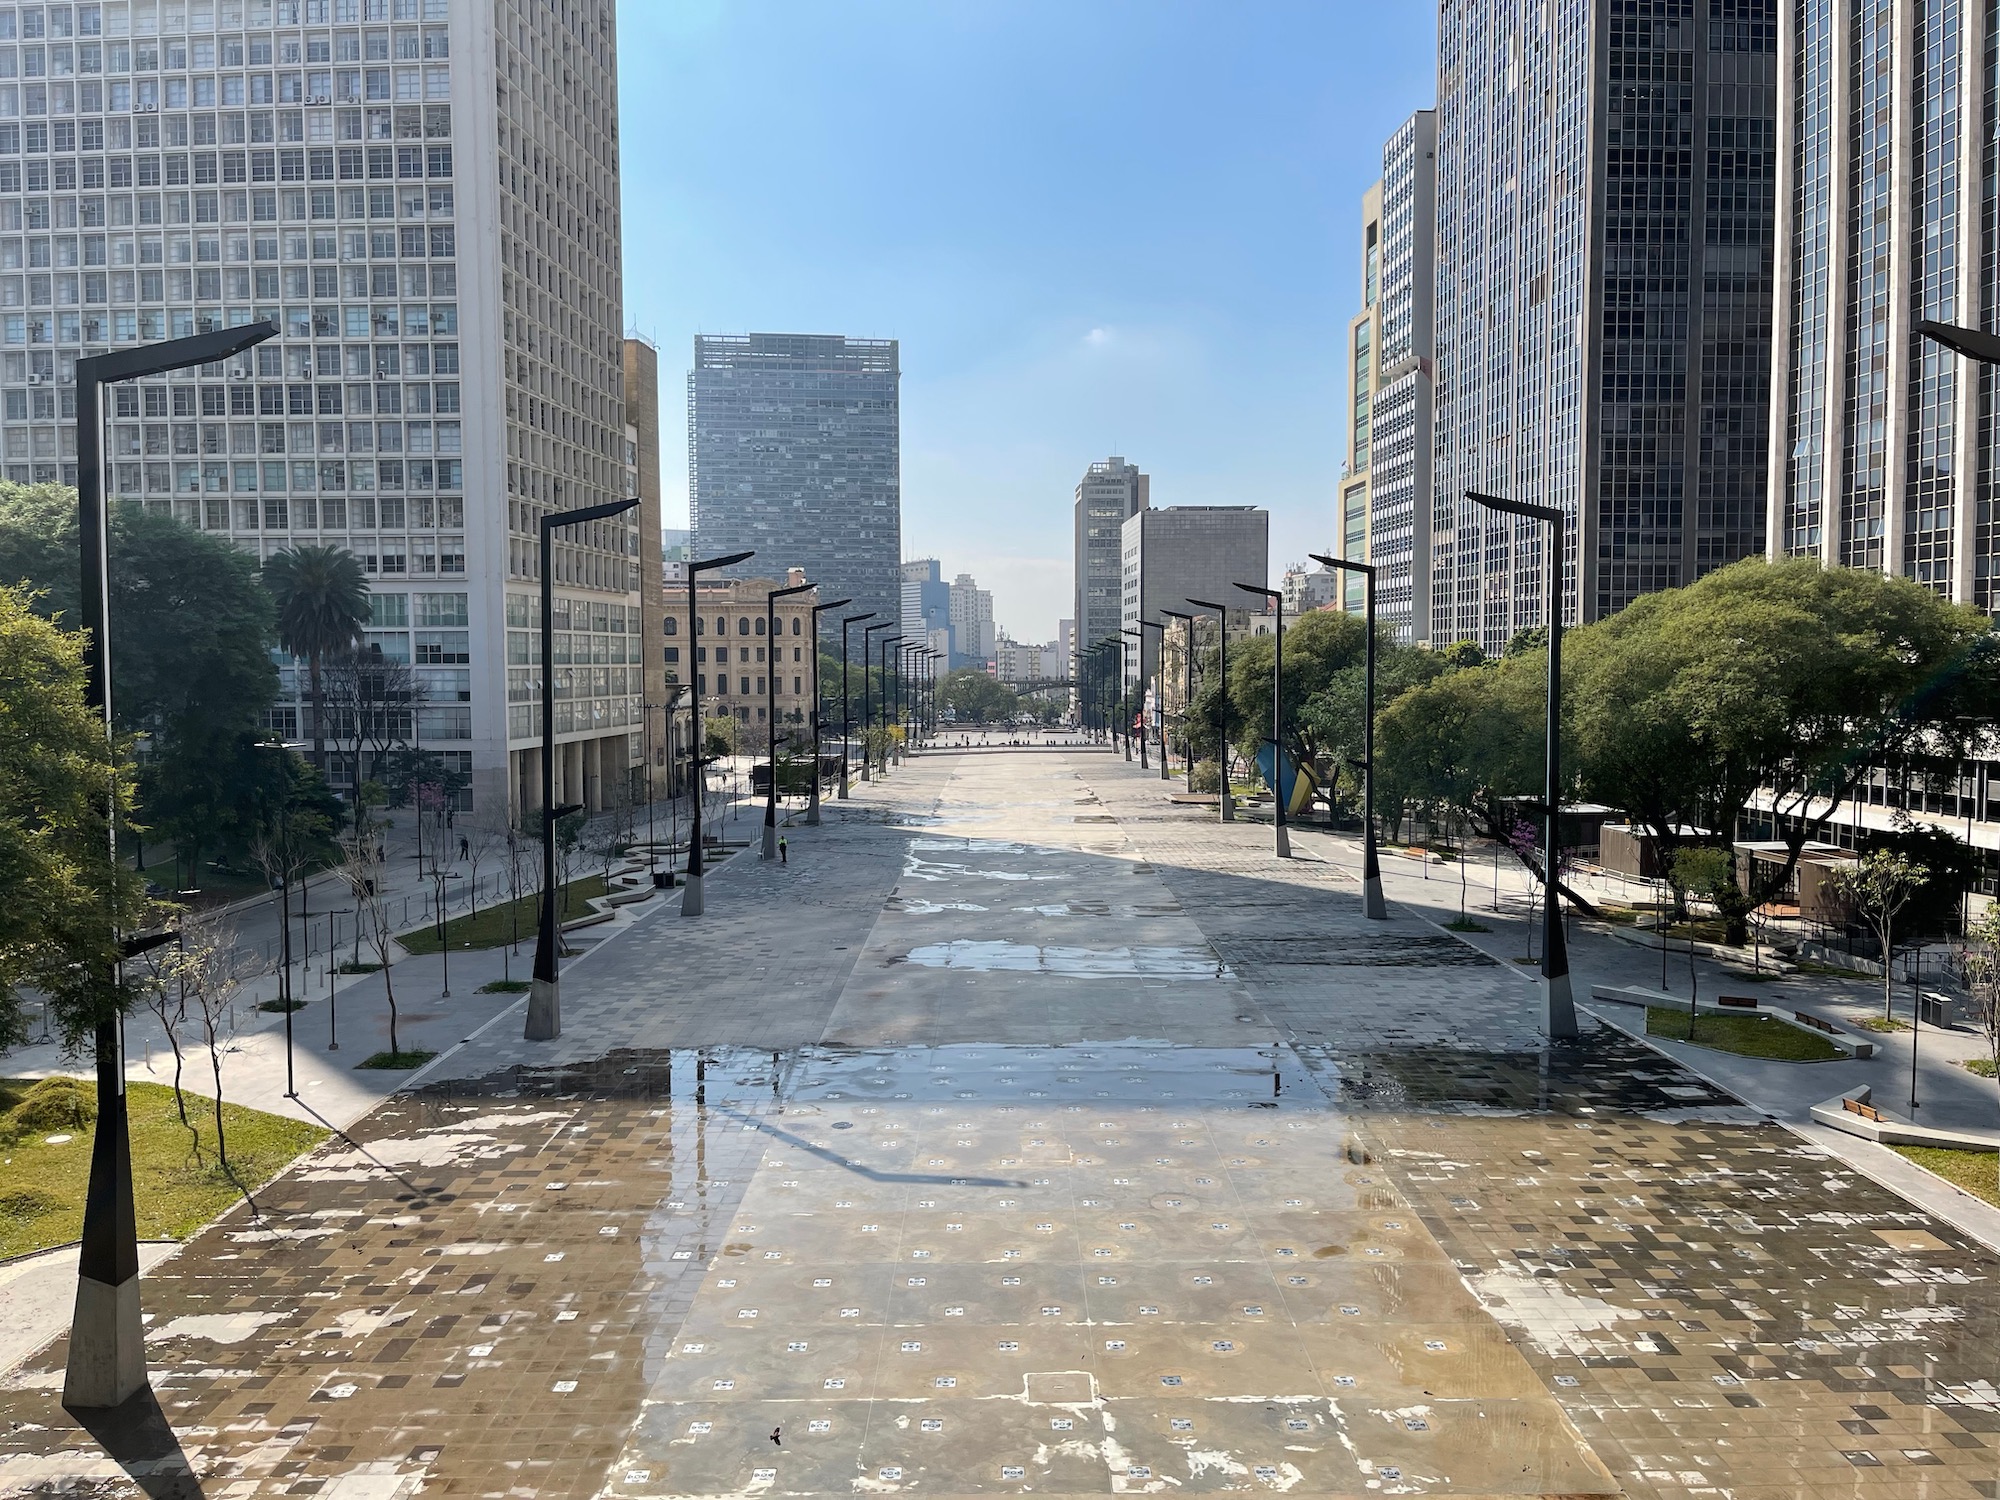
{"type": "Point", "coordinates": [1097, 226]}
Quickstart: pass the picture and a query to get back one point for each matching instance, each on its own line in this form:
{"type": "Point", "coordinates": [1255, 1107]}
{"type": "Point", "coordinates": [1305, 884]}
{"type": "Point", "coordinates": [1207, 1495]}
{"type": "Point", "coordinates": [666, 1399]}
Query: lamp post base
{"type": "Point", "coordinates": [1558, 1007]}
{"type": "Point", "coordinates": [1283, 841]}
{"type": "Point", "coordinates": [691, 897]}
{"type": "Point", "coordinates": [1228, 804]}
{"type": "Point", "coordinates": [1372, 905]}
{"type": "Point", "coordinates": [843, 786]}
{"type": "Point", "coordinates": [107, 1345]}
{"type": "Point", "coordinates": [544, 1011]}
{"type": "Point", "coordinates": [1166, 774]}
{"type": "Point", "coordinates": [770, 848]}
{"type": "Point", "coordinates": [812, 808]}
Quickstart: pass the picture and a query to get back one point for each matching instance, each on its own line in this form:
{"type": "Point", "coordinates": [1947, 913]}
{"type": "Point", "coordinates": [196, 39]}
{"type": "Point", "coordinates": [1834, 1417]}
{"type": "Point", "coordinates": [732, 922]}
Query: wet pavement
{"type": "Point", "coordinates": [988, 1150]}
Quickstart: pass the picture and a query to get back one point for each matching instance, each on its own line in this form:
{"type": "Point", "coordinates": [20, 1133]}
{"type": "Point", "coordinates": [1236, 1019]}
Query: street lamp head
{"type": "Point", "coordinates": [1533, 512]}
{"type": "Point", "coordinates": [1344, 564]}
{"type": "Point", "coordinates": [847, 620]}
{"type": "Point", "coordinates": [728, 560]}
{"type": "Point", "coordinates": [820, 609]}
{"type": "Point", "coordinates": [1177, 614]}
{"type": "Point", "coordinates": [797, 588]}
{"type": "Point", "coordinates": [1209, 604]}
{"type": "Point", "coordinates": [1973, 343]}
{"type": "Point", "coordinates": [1260, 590]}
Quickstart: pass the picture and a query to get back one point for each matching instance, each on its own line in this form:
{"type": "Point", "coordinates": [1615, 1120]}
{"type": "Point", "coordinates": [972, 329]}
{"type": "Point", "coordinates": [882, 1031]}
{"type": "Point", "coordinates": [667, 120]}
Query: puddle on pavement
{"type": "Point", "coordinates": [923, 869]}
{"type": "Point", "coordinates": [1104, 909]}
{"type": "Point", "coordinates": [918, 907]}
{"type": "Point", "coordinates": [1067, 962]}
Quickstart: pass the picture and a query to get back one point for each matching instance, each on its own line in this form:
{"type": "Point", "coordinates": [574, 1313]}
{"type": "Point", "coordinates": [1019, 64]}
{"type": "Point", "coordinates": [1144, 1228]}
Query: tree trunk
{"type": "Point", "coordinates": [318, 714]}
{"type": "Point", "coordinates": [1888, 979]}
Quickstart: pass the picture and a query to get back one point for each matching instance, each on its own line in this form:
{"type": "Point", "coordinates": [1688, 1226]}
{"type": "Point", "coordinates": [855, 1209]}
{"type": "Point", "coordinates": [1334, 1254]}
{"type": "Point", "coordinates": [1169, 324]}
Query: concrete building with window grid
{"type": "Point", "coordinates": [1888, 445]}
{"type": "Point", "coordinates": [169, 166]}
{"type": "Point", "coordinates": [1363, 339]}
{"type": "Point", "coordinates": [729, 655]}
{"type": "Point", "coordinates": [1179, 553]}
{"type": "Point", "coordinates": [1400, 431]}
{"type": "Point", "coordinates": [794, 452]}
{"type": "Point", "coordinates": [1605, 202]}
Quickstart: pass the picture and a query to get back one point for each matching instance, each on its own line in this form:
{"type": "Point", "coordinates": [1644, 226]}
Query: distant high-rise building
{"type": "Point", "coordinates": [1109, 493]}
{"type": "Point", "coordinates": [1180, 553]}
{"type": "Point", "coordinates": [1307, 589]}
{"type": "Point", "coordinates": [380, 196]}
{"type": "Point", "coordinates": [1884, 441]}
{"type": "Point", "coordinates": [926, 603]}
{"type": "Point", "coordinates": [972, 629]}
{"type": "Point", "coordinates": [1604, 241]}
{"type": "Point", "coordinates": [1400, 431]}
{"type": "Point", "coordinates": [1363, 341]}
{"type": "Point", "coordinates": [794, 452]}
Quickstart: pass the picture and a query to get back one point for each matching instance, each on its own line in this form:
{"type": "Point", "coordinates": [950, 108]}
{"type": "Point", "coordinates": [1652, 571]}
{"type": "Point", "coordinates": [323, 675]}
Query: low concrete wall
{"type": "Point", "coordinates": [1835, 1115]}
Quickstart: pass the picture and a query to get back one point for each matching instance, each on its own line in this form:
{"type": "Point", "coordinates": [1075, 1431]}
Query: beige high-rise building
{"type": "Point", "coordinates": [642, 462]}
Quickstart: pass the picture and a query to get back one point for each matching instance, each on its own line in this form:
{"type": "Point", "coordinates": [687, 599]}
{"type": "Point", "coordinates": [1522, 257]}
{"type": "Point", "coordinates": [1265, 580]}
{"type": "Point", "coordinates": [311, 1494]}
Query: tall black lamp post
{"type": "Point", "coordinates": [107, 1353]}
{"type": "Point", "coordinates": [1372, 904]}
{"type": "Point", "coordinates": [1228, 808]}
{"type": "Point", "coordinates": [1138, 638]}
{"type": "Point", "coordinates": [691, 898]}
{"type": "Point", "coordinates": [544, 1023]}
{"type": "Point", "coordinates": [1187, 695]}
{"type": "Point", "coordinates": [868, 689]}
{"type": "Point", "coordinates": [846, 698]}
{"type": "Point", "coordinates": [1282, 840]}
{"type": "Point", "coordinates": [1558, 1004]}
{"type": "Point", "coordinates": [771, 649]}
{"type": "Point", "coordinates": [1159, 718]}
{"type": "Point", "coordinates": [812, 806]}
{"type": "Point", "coordinates": [885, 643]}
{"type": "Point", "coordinates": [911, 655]}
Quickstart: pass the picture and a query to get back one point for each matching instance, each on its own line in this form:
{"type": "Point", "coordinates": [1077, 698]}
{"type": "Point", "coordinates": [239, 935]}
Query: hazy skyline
{"type": "Point", "coordinates": [1107, 228]}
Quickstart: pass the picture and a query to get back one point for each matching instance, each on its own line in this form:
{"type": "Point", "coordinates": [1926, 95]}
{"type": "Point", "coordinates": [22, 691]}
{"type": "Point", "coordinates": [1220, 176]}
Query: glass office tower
{"type": "Point", "coordinates": [1605, 218]}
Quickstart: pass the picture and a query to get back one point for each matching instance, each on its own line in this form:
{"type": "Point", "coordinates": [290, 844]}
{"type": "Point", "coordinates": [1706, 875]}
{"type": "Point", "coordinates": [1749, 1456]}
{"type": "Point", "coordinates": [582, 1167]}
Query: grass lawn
{"type": "Point", "coordinates": [414, 1057]}
{"type": "Point", "coordinates": [176, 1182]}
{"type": "Point", "coordinates": [1982, 1066]}
{"type": "Point", "coordinates": [1882, 1024]}
{"type": "Point", "coordinates": [1747, 1036]}
{"type": "Point", "coordinates": [494, 925]}
{"type": "Point", "coordinates": [1978, 1172]}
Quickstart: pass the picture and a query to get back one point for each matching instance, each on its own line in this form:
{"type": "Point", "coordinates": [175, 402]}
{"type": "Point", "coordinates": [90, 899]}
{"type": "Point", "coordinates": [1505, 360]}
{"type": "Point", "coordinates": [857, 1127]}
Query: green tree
{"type": "Point", "coordinates": [1787, 679]}
{"type": "Point", "coordinates": [322, 605]}
{"type": "Point", "coordinates": [62, 904]}
{"type": "Point", "coordinates": [719, 737]}
{"type": "Point", "coordinates": [1881, 884]}
{"type": "Point", "coordinates": [1335, 717]}
{"type": "Point", "coordinates": [191, 631]}
{"type": "Point", "coordinates": [973, 697]}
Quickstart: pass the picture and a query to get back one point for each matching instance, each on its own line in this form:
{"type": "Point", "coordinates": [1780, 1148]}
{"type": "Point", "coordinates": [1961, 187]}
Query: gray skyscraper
{"type": "Point", "coordinates": [794, 450]}
{"type": "Point", "coordinates": [1399, 474]}
{"type": "Point", "coordinates": [1886, 442]}
{"type": "Point", "coordinates": [1604, 223]}
{"type": "Point", "coordinates": [1180, 553]}
{"type": "Point", "coordinates": [1111, 491]}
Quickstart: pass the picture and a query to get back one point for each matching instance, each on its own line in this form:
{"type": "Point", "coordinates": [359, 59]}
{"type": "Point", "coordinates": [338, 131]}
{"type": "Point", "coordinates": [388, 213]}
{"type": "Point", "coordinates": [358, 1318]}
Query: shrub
{"type": "Point", "coordinates": [56, 1104]}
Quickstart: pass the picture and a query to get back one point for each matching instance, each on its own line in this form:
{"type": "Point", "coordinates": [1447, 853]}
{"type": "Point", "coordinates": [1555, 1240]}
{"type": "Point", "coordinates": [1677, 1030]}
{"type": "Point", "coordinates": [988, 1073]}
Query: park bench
{"type": "Point", "coordinates": [1866, 1111]}
{"type": "Point", "coordinates": [1737, 1002]}
{"type": "Point", "coordinates": [1816, 1023]}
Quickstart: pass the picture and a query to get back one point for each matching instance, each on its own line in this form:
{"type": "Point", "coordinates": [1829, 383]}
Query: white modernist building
{"type": "Point", "coordinates": [423, 196]}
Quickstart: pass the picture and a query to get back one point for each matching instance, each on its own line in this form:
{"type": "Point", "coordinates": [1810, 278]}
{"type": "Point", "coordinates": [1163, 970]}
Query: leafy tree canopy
{"type": "Point", "coordinates": [975, 698]}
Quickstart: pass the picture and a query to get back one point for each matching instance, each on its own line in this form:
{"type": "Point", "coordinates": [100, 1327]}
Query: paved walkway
{"type": "Point", "coordinates": [1030, 1133]}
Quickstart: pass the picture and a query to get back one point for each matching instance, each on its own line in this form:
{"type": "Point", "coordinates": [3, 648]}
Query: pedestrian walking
{"type": "Point", "coordinates": [784, 850]}
{"type": "Point", "coordinates": [464, 847]}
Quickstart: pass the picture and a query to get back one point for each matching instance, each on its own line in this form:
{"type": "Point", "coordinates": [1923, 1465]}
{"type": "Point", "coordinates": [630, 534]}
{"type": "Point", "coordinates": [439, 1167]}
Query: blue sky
{"type": "Point", "coordinates": [1097, 227]}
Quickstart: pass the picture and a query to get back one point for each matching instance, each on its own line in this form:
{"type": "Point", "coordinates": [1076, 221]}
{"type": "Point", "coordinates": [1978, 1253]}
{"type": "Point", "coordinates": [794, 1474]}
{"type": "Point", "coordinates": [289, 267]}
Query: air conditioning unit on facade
{"type": "Point", "coordinates": [239, 374]}
{"type": "Point", "coordinates": [34, 380]}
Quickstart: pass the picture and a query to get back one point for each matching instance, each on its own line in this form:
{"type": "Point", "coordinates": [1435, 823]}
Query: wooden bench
{"type": "Point", "coordinates": [1737, 1002]}
{"type": "Point", "coordinates": [1866, 1111]}
{"type": "Point", "coordinates": [1816, 1023]}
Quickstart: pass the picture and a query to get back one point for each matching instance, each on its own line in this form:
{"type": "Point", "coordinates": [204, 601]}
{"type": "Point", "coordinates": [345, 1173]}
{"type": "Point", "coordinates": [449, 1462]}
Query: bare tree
{"type": "Point", "coordinates": [1982, 974]}
{"type": "Point", "coordinates": [165, 990]}
{"type": "Point", "coordinates": [479, 841]}
{"type": "Point", "coordinates": [204, 968]}
{"type": "Point", "coordinates": [370, 707]}
{"type": "Point", "coordinates": [372, 916]}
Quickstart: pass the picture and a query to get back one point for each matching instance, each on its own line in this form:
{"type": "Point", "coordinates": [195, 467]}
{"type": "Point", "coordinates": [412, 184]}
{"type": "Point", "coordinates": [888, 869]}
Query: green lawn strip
{"type": "Point", "coordinates": [1983, 1066]}
{"type": "Point", "coordinates": [495, 925]}
{"type": "Point", "coordinates": [1747, 1036]}
{"type": "Point", "coordinates": [1978, 1172]}
{"type": "Point", "coordinates": [177, 1185]}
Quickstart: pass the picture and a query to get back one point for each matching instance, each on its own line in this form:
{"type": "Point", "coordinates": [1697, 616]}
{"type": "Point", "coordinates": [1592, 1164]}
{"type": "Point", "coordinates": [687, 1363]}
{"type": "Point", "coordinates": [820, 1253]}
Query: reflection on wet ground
{"type": "Point", "coordinates": [1345, 1227]}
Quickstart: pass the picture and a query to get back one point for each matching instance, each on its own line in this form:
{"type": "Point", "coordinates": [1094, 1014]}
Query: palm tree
{"type": "Point", "coordinates": [322, 601]}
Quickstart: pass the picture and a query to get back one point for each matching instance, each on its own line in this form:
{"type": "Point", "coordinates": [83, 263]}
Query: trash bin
{"type": "Point", "coordinates": [663, 880]}
{"type": "Point", "coordinates": [368, 884]}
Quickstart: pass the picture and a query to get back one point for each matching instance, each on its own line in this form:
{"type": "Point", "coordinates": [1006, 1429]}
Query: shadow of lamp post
{"type": "Point", "coordinates": [107, 1352]}
{"type": "Point", "coordinates": [1558, 1003]}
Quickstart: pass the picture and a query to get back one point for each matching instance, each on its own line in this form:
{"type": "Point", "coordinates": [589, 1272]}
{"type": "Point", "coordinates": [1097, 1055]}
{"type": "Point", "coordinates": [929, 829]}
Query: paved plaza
{"type": "Point", "coordinates": [1031, 1133]}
